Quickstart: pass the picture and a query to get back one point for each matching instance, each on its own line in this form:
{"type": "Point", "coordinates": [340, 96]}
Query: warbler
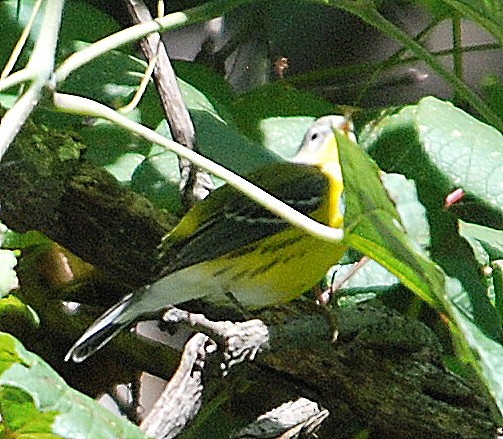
{"type": "Point", "coordinates": [230, 244]}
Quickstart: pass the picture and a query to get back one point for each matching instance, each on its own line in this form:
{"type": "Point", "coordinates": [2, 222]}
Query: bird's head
{"type": "Point", "coordinates": [319, 146]}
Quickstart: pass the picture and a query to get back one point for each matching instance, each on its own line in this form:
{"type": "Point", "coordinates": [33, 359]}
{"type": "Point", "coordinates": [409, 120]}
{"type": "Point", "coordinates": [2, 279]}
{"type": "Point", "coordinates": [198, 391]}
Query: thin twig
{"type": "Point", "coordinates": [41, 63]}
{"type": "Point", "coordinates": [195, 184]}
{"type": "Point", "coordinates": [368, 13]}
{"type": "Point", "coordinates": [21, 42]}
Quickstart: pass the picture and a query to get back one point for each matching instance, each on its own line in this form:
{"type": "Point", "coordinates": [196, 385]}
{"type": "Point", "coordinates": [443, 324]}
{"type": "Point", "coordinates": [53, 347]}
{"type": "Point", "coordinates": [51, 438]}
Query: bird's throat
{"type": "Point", "coordinates": [335, 210]}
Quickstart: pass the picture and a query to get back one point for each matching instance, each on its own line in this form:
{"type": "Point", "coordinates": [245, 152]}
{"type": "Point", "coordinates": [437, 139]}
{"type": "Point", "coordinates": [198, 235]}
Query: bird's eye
{"type": "Point", "coordinates": [314, 136]}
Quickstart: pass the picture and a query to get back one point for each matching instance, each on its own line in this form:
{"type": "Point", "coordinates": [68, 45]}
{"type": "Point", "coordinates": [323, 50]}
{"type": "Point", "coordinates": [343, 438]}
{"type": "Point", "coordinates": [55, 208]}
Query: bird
{"type": "Point", "coordinates": [229, 244]}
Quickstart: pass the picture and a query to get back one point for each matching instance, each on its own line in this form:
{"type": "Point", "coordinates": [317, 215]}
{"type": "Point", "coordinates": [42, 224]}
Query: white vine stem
{"type": "Point", "coordinates": [88, 107]}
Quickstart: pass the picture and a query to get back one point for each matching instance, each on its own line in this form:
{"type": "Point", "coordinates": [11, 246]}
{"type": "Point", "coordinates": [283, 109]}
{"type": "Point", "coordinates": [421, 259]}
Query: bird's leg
{"type": "Point", "coordinates": [323, 296]}
{"type": "Point", "coordinates": [242, 340]}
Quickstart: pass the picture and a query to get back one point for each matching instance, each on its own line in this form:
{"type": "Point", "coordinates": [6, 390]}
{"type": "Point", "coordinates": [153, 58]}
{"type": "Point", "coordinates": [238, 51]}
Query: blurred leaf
{"type": "Point", "coordinates": [272, 101]}
{"type": "Point", "coordinates": [12, 307]}
{"type": "Point", "coordinates": [216, 89]}
{"type": "Point", "coordinates": [490, 239]}
{"type": "Point", "coordinates": [73, 26]}
{"type": "Point", "coordinates": [492, 88]}
{"type": "Point", "coordinates": [8, 276]}
{"type": "Point", "coordinates": [88, 23]}
{"type": "Point", "coordinates": [22, 418]}
{"type": "Point", "coordinates": [14, 240]}
{"type": "Point", "coordinates": [438, 8]}
{"type": "Point", "coordinates": [35, 401]}
{"type": "Point", "coordinates": [497, 279]}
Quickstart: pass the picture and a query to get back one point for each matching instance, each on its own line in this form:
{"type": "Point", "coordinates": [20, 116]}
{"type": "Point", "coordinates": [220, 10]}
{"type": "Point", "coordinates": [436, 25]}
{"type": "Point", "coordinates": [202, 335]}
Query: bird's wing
{"type": "Point", "coordinates": [228, 220]}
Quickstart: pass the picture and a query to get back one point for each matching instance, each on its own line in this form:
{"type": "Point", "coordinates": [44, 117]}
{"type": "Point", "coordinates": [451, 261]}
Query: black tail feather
{"type": "Point", "coordinates": [101, 332]}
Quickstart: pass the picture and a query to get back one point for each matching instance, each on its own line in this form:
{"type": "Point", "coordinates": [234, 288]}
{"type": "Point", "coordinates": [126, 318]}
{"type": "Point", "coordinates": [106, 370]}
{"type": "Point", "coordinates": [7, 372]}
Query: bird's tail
{"type": "Point", "coordinates": [102, 330]}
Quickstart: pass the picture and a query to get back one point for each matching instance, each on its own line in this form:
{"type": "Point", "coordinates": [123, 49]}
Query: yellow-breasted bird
{"type": "Point", "coordinates": [230, 244]}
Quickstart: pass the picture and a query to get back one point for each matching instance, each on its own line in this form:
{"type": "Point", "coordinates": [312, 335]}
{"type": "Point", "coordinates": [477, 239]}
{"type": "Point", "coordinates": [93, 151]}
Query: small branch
{"type": "Point", "coordinates": [21, 42]}
{"type": "Point", "coordinates": [286, 421]}
{"type": "Point", "coordinates": [16, 78]}
{"type": "Point", "coordinates": [181, 399]}
{"type": "Point", "coordinates": [457, 55]}
{"type": "Point", "coordinates": [84, 106]}
{"type": "Point", "coordinates": [367, 68]}
{"type": "Point", "coordinates": [195, 184]}
{"type": "Point", "coordinates": [371, 15]}
{"type": "Point", "coordinates": [242, 340]}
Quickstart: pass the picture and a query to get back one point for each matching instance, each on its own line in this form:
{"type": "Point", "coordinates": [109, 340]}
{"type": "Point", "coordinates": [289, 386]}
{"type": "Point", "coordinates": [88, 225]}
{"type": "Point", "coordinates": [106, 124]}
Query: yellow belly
{"type": "Point", "coordinates": [274, 270]}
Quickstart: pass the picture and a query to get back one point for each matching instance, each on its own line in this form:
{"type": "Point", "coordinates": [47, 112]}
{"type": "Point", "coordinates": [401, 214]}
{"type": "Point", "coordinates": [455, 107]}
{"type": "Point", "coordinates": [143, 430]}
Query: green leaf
{"type": "Point", "coordinates": [412, 213]}
{"type": "Point", "coordinates": [372, 279]}
{"type": "Point", "coordinates": [373, 226]}
{"type": "Point", "coordinates": [497, 280]}
{"type": "Point", "coordinates": [73, 27]}
{"type": "Point", "coordinates": [158, 176]}
{"type": "Point", "coordinates": [490, 239]}
{"type": "Point", "coordinates": [468, 152]}
{"type": "Point", "coordinates": [14, 313]}
{"type": "Point", "coordinates": [283, 135]}
{"type": "Point", "coordinates": [35, 400]}
{"type": "Point", "coordinates": [368, 282]}
{"type": "Point", "coordinates": [485, 352]}
{"type": "Point", "coordinates": [216, 89]}
{"type": "Point", "coordinates": [15, 240]}
{"type": "Point", "coordinates": [373, 229]}
{"type": "Point", "coordinates": [438, 8]}
{"type": "Point", "coordinates": [21, 416]}
{"type": "Point", "coordinates": [492, 88]}
{"type": "Point", "coordinates": [442, 148]}
{"type": "Point", "coordinates": [273, 101]}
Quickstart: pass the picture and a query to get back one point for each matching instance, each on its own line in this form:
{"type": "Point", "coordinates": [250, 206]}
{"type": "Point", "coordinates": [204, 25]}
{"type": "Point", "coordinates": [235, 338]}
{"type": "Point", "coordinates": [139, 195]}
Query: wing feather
{"type": "Point", "coordinates": [228, 220]}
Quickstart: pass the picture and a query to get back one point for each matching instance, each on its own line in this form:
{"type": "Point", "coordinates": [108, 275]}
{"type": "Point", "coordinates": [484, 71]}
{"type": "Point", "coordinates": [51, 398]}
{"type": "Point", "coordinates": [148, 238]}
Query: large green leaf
{"type": "Point", "coordinates": [273, 101]}
{"type": "Point", "coordinates": [373, 226]}
{"type": "Point", "coordinates": [372, 279]}
{"type": "Point", "coordinates": [36, 402]}
{"type": "Point", "coordinates": [442, 148]}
